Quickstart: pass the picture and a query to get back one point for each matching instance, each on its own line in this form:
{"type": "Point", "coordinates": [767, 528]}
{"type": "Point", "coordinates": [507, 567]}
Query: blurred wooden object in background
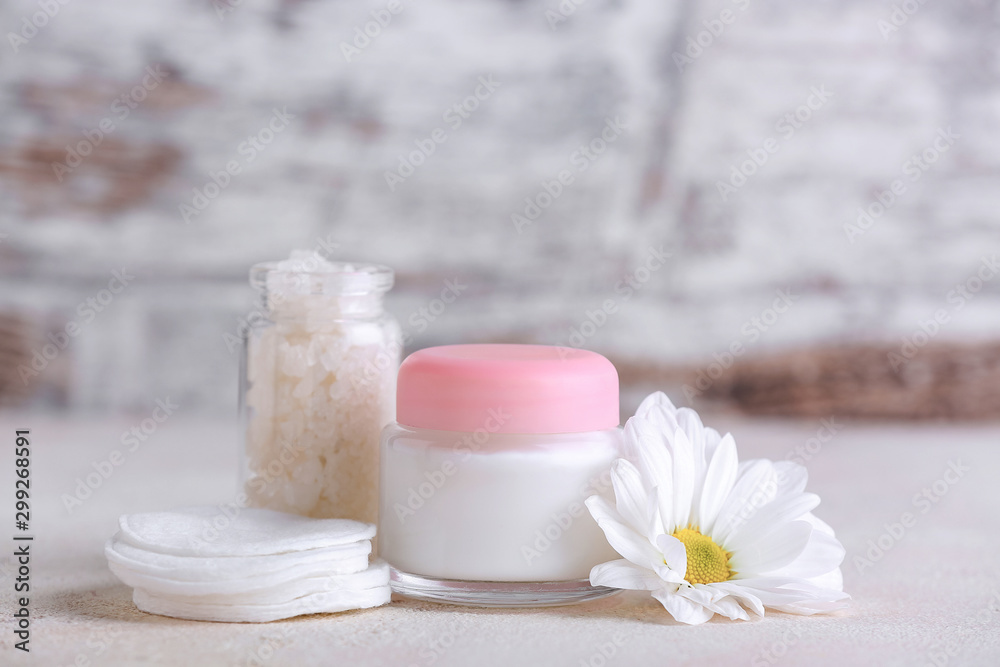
{"type": "Point", "coordinates": [940, 381]}
{"type": "Point", "coordinates": [15, 336]}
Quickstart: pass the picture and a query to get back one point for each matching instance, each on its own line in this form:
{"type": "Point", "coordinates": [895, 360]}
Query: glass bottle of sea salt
{"type": "Point", "coordinates": [317, 385]}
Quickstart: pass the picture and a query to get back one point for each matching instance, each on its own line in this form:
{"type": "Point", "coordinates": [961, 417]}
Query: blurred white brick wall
{"type": "Point", "coordinates": [323, 177]}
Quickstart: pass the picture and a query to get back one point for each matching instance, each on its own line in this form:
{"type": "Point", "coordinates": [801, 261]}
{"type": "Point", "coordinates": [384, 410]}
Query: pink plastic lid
{"type": "Point", "coordinates": [507, 389]}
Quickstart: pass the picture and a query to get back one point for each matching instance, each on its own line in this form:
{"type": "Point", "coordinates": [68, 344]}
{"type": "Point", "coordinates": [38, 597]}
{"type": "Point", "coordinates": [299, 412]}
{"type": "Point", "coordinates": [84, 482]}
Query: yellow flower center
{"type": "Point", "coordinates": [707, 562]}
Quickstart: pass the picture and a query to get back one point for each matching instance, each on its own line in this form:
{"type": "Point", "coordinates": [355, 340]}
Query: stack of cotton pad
{"type": "Point", "coordinates": [259, 565]}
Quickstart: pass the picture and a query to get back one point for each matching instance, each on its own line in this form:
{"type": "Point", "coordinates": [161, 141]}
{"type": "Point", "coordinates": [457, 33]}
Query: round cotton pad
{"type": "Point", "coordinates": [343, 559]}
{"type": "Point", "coordinates": [317, 603]}
{"type": "Point", "coordinates": [208, 531]}
{"type": "Point", "coordinates": [230, 580]}
{"type": "Point", "coordinates": [374, 577]}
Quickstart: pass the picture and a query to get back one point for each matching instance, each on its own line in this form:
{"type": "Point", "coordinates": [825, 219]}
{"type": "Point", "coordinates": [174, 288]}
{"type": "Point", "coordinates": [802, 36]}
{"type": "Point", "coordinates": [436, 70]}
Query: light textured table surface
{"type": "Point", "coordinates": [932, 598]}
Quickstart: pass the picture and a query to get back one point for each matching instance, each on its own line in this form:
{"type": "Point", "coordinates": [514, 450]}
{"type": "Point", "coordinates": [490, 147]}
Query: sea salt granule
{"type": "Point", "coordinates": [321, 383]}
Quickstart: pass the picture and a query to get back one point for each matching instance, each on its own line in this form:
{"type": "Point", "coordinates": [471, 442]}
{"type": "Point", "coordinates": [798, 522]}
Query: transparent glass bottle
{"type": "Point", "coordinates": [317, 385]}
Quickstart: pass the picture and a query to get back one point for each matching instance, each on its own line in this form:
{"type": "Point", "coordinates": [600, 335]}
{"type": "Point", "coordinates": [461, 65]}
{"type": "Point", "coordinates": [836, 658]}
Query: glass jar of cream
{"type": "Point", "coordinates": [485, 472]}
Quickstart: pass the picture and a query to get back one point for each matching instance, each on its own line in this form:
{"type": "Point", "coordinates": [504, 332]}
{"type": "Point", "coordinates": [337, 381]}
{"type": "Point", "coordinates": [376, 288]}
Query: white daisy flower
{"type": "Point", "coordinates": [709, 535]}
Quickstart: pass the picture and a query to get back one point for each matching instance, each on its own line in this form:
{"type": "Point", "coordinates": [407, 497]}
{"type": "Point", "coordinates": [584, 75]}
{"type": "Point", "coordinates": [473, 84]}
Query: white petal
{"type": "Point", "coordinates": [793, 595]}
{"type": "Point", "coordinates": [773, 550]}
{"type": "Point", "coordinates": [662, 414]}
{"type": "Point", "coordinates": [730, 608]}
{"type": "Point", "coordinates": [653, 511]}
{"type": "Point", "coordinates": [719, 479]}
{"type": "Point", "coordinates": [822, 554]}
{"type": "Point", "coordinates": [699, 594]}
{"type": "Point", "coordinates": [818, 524]}
{"type": "Point", "coordinates": [668, 575]}
{"type": "Point", "coordinates": [811, 607]}
{"type": "Point", "coordinates": [622, 538]}
{"type": "Point", "coordinates": [674, 553]}
{"type": "Point", "coordinates": [792, 476]}
{"type": "Point", "coordinates": [689, 422]}
{"type": "Point", "coordinates": [654, 402]}
{"type": "Point", "coordinates": [832, 580]}
{"type": "Point", "coordinates": [631, 497]}
{"type": "Point", "coordinates": [683, 609]}
{"type": "Point", "coordinates": [779, 511]}
{"type": "Point", "coordinates": [683, 478]}
{"type": "Point", "coordinates": [750, 492]}
{"type": "Point", "coordinates": [647, 449]}
{"type": "Point", "coordinates": [772, 590]}
{"type": "Point", "coordinates": [712, 440]}
{"type": "Point", "coordinates": [815, 600]}
{"type": "Point", "coordinates": [745, 597]}
{"type": "Point", "coordinates": [623, 574]}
